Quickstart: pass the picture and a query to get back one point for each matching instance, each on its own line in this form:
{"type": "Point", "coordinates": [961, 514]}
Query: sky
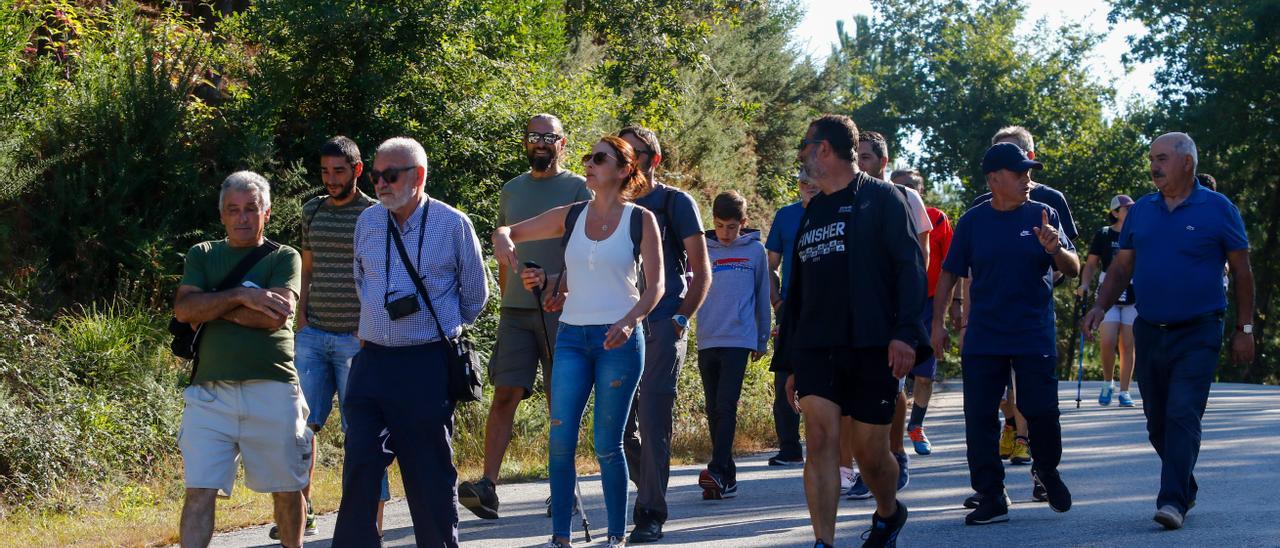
{"type": "Point", "coordinates": [817, 32]}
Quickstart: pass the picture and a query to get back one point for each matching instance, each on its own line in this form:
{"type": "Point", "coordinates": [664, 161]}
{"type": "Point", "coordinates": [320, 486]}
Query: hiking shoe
{"type": "Point", "coordinates": [647, 529]}
{"type": "Point", "coordinates": [730, 490]}
{"type": "Point", "coordinates": [309, 530]}
{"type": "Point", "coordinates": [884, 533]}
{"type": "Point", "coordinates": [1021, 451]}
{"type": "Point", "coordinates": [712, 485]}
{"type": "Point", "coordinates": [1006, 441]}
{"type": "Point", "coordinates": [858, 490]}
{"type": "Point", "coordinates": [781, 460]}
{"type": "Point", "coordinates": [572, 512]}
{"type": "Point", "coordinates": [987, 511]}
{"type": "Point", "coordinates": [617, 542]}
{"type": "Point", "coordinates": [1055, 490]}
{"type": "Point", "coordinates": [1125, 399]}
{"type": "Point", "coordinates": [1104, 397]}
{"type": "Point", "coordinates": [847, 476]}
{"type": "Point", "coordinates": [904, 464]}
{"type": "Point", "coordinates": [1169, 517]}
{"type": "Point", "coordinates": [975, 500]}
{"type": "Point", "coordinates": [481, 497]}
{"type": "Point", "coordinates": [920, 441]}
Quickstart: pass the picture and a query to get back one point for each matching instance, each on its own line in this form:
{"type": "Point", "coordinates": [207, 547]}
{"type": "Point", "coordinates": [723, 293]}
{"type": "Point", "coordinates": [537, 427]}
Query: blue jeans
{"type": "Point", "coordinates": [581, 364]}
{"type": "Point", "coordinates": [323, 359]}
{"type": "Point", "coordinates": [1174, 368]}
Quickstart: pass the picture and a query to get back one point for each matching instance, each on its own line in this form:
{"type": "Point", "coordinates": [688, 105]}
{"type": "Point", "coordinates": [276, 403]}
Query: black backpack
{"type": "Point", "coordinates": [576, 209]}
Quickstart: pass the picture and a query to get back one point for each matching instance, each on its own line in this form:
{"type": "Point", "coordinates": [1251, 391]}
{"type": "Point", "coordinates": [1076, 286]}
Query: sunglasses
{"type": "Point", "coordinates": [390, 175]}
{"type": "Point", "coordinates": [534, 138]}
{"type": "Point", "coordinates": [807, 142]}
{"type": "Point", "coordinates": [598, 158]}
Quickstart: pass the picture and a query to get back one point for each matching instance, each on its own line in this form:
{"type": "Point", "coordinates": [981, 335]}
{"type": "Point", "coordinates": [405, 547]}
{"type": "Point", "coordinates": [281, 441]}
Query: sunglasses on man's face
{"type": "Point", "coordinates": [390, 175]}
{"type": "Point", "coordinates": [534, 138]}
{"type": "Point", "coordinates": [598, 158]}
{"type": "Point", "coordinates": [807, 142]}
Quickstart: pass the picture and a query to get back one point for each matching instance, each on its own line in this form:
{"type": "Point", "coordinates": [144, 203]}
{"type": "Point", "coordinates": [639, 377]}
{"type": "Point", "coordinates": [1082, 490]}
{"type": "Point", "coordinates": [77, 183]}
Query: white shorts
{"type": "Point", "coordinates": [1121, 313]}
{"type": "Point", "coordinates": [263, 423]}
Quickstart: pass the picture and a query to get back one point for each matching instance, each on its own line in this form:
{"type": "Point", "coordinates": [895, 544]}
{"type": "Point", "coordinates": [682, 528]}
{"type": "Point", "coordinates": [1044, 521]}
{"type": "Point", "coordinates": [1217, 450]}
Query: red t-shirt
{"type": "Point", "coordinates": [939, 243]}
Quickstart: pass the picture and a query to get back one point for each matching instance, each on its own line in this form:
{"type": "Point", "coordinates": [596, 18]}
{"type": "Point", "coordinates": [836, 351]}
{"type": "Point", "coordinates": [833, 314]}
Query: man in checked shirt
{"type": "Point", "coordinates": [397, 403]}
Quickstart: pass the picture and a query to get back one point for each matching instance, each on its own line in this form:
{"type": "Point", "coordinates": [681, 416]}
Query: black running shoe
{"type": "Point", "coordinates": [648, 529]}
{"type": "Point", "coordinates": [783, 460]}
{"type": "Point", "coordinates": [1038, 492]}
{"type": "Point", "coordinates": [994, 510]}
{"type": "Point", "coordinates": [976, 499]}
{"type": "Point", "coordinates": [480, 497]}
{"type": "Point", "coordinates": [884, 533]}
{"type": "Point", "coordinates": [1057, 492]}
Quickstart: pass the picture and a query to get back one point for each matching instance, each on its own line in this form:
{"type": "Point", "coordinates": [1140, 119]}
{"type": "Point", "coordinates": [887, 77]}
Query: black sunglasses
{"type": "Point", "coordinates": [390, 175]}
{"type": "Point", "coordinates": [807, 142]}
{"type": "Point", "coordinates": [534, 137]}
{"type": "Point", "coordinates": [598, 158]}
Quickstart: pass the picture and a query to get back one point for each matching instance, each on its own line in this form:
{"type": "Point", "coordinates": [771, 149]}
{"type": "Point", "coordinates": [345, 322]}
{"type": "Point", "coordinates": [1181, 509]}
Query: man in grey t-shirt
{"type": "Point", "coordinates": [522, 334]}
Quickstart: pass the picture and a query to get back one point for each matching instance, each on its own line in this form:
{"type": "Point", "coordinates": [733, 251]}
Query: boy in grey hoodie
{"type": "Point", "coordinates": [733, 324]}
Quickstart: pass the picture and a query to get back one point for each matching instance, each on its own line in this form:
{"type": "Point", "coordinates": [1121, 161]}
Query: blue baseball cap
{"type": "Point", "coordinates": [1007, 156]}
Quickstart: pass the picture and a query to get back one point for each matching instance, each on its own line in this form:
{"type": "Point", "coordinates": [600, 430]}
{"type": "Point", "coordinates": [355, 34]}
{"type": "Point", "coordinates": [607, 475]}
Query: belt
{"type": "Point", "coordinates": [1171, 326]}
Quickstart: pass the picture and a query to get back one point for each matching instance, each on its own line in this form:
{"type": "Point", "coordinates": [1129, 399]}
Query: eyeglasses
{"type": "Point", "coordinates": [598, 158]}
{"type": "Point", "coordinates": [807, 142]}
{"type": "Point", "coordinates": [390, 175]}
{"type": "Point", "coordinates": [534, 137]}
{"type": "Point", "coordinates": [640, 151]}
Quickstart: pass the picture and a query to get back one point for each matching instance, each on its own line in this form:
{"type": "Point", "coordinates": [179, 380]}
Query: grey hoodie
{"type": "Point", "coordinates": [735, 313]}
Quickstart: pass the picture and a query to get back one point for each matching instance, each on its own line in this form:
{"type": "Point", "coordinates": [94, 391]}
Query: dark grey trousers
{"type": "Point", "coordinates": [647, 442]}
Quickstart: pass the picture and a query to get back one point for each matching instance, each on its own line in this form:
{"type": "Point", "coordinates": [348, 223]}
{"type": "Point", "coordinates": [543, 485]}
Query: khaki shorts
{"type": "Point", "coordinates": [263, 423]}
{"type": "Point", "coordinates": [520, 346]}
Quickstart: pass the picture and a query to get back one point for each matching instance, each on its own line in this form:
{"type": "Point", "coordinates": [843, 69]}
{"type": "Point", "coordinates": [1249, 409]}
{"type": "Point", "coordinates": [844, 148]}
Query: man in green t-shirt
{"type": "Point", "coordinates": [523, 336]}
{"type": "Point", "coordinates": [244, 401]}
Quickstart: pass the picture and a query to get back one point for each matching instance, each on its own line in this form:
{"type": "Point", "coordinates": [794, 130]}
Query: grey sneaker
{"type": "Point", "coordinates": [1169, 517]}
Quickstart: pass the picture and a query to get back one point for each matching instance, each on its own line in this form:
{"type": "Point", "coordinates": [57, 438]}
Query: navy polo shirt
{"type": "Point", "coordinates": [1012, 291]}
{"type": "Point", "coordinates": [1179, 255]}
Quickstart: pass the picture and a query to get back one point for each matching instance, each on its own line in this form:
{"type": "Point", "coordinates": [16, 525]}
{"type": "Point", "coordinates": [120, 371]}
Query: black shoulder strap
{"type": "Point", "coordinates": [246, 264]}
{"type": "Point", "coordinates": [417, 280]}
{"type": "Point", "coordinates": [570, 219]}
{"type": "Point", "coordinates": [312, 217]}
{"type": "Point", "coordinates": [637, 231]}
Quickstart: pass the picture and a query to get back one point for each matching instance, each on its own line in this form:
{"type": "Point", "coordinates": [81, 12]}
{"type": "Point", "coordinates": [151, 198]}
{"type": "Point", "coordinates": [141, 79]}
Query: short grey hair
{"type": "Point", "coordinates": [1184, 145]}
{"type": "Point", "coordinates": [914, 180]}
{"type": "Point", "coordinates": [247, 181]}
{"type": "Point", "coordinates": [1016, 134]}
{"type": "Point", "coordinates": [405, 146]}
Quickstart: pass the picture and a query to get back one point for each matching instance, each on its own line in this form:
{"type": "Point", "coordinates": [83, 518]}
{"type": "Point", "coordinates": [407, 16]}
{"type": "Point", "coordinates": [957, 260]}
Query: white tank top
{"type": "Point", "coordinates": [602, 274]}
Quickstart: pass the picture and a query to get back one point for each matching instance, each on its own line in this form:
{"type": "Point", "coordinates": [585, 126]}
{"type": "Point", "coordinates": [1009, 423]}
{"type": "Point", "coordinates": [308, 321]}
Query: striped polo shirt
{"type": "Point", "coordinates": [327, 232]}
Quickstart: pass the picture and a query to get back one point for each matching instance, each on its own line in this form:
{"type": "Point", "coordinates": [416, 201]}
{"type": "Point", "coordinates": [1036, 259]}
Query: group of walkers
{"type": "Point", "coordinates": [600, 276]}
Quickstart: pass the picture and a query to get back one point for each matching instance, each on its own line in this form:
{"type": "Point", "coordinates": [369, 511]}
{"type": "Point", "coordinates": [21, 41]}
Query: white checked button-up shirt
{"type": "Point", "coordinates": [449, 262]}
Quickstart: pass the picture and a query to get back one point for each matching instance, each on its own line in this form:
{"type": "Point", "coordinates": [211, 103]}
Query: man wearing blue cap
{"type": "Point", "coordinates": [1188, 230]}
{"type": "Point", "coordinates": [1011, 246]}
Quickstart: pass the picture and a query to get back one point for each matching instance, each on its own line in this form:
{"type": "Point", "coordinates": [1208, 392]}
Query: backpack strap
{"type": "Point", "coordinates": [246, 264]}
{"type": "Point", "coordinates": [571, 219]}
{"type": "Point", "coordinates": [637, 231]}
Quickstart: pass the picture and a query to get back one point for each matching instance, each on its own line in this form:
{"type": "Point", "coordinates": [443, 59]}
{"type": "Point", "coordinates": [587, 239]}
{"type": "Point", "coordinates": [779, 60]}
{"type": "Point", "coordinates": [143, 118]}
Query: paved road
{"type": "Point", "coordinates": [1107, 462]}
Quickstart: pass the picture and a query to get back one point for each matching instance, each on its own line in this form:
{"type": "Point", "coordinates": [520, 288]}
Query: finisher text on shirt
{"type": "Point", "coordinates": [821, 241]}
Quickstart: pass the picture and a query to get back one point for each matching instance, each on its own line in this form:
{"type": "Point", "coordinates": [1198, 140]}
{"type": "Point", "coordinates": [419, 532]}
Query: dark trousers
{"type": "Point", "coordinates": [985, 378]}
{"type": "Point", "coordinates": [722, 372]}
{"type": "Point", "coordinates": [397, 406]}
{"type": "Point", "coordinates": [1174, 368]}
{"type": "Point", "coordinates": [786, 422]}
{"type": "Point", "coordinates": [647, 441]}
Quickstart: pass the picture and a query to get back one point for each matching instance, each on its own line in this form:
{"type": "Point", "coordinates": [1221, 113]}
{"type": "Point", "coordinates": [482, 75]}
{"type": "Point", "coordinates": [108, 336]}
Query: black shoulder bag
{"type": "Point", "coordinates": [465, 384]}
{"type": "Point", "coordinates": [186, 340]}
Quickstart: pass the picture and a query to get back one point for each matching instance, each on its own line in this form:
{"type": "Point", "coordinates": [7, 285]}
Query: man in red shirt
{"type": "Point", "coordinates": [939, 243]}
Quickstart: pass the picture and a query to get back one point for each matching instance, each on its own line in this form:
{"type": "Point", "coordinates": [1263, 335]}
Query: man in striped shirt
{"type": "Point", "coordinates": [329, 309]}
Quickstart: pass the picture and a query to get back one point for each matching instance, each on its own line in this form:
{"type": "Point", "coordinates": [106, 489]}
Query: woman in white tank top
{"type": "Point", "coordinates": [600, 342]}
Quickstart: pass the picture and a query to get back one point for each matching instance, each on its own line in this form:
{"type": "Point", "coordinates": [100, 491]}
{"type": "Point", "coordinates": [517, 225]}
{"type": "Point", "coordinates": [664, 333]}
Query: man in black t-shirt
{"type": "Point", "coordinates": [850, 325]}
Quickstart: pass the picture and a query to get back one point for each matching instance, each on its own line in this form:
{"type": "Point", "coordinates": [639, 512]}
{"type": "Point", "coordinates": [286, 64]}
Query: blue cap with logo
{"type": "Point", "coordinates": [1007, 156]}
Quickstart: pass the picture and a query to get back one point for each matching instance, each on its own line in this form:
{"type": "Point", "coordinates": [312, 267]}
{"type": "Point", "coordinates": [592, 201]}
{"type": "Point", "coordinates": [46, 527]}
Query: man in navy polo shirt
{"type": "Point", "coordinates": [1174, 243]}
{"type": "Point", "coordinates": [1011, 246]}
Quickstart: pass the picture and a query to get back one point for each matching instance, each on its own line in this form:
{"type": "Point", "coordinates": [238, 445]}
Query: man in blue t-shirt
{"type": "Point", "coordinates": [1174, 243]}
{"type": "Point", "coordinates": [647, 441]}
{"type": "Point", "coordinates": [780, 244]}
{"type": "Point", "coordinates": [1010, 246]}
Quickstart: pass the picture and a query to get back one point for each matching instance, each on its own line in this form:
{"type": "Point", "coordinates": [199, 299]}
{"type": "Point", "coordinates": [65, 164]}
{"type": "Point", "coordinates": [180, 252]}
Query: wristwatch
{"type": "Point", "coordinates": [1247, 329]}
{"type": "Point", "coordinates": [681, 320]}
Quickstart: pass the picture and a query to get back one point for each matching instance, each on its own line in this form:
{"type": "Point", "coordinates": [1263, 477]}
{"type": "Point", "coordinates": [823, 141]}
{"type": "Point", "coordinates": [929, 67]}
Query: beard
{"type": "Point", "coordinates": [813, 168]}
{"type": "Point", "coordinates": [541, 163]}
{"type": "Point", "coordinates": [346, 191]}
{"type": "Point", "coordinates": [395, 200]}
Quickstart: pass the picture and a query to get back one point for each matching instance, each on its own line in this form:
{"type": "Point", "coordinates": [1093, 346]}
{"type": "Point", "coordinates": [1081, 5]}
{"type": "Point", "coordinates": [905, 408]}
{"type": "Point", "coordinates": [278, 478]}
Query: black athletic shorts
{"type": "Point", "coordinates": [859, 380]}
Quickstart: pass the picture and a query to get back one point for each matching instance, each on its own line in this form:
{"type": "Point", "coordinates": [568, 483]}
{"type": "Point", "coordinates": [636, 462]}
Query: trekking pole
{"type": "Point", "coordinates": [546, 344]}
{"type": "Point", "coordinates": [1080, 302]}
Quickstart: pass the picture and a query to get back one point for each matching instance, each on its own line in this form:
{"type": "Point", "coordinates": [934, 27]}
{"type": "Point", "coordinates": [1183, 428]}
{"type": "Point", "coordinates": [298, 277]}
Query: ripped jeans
{"type": "Point", "coordinates": [582, 363]}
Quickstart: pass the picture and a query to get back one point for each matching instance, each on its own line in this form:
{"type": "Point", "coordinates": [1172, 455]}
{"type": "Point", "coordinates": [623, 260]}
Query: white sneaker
{"type": "Point", "coordinates": [846, 478]}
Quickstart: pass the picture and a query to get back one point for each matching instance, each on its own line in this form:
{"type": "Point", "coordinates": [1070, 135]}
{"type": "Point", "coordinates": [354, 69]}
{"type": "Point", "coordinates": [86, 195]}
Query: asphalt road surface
{"type": "Point", "coordinates": [1108, 464]}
